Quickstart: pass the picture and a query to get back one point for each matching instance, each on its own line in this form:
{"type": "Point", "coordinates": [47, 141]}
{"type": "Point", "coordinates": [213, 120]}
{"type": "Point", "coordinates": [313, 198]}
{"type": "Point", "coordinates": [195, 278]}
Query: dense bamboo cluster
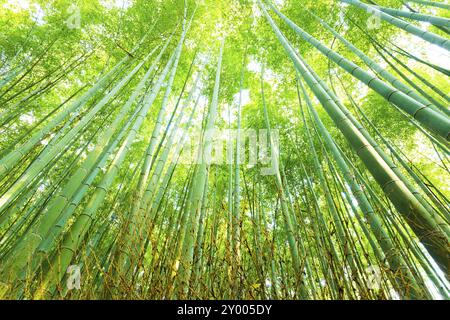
{"type": "Point", "coordinates": [97, 182]}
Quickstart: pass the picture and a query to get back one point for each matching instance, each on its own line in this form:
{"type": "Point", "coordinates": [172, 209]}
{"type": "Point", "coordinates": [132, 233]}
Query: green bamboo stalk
{"type": "Point", "coordinates": [44, 158]}
{"type": "Point", "coordinates": [373, 144]}
{"type": "Point", "coordinates": [81, 225]}
{"type": "Point", "coordinates": [193, 206]}
{"type": "Point", "coordinates": [395, 261]}
{"type": "Point", "coordinates": [438, 21]}
{"type": "Point", "coordinates": [425, 35]}
{"type": "Point", "coordinates": [288, 223]}
{"type": "Point", "coordinates": [379, 69]}
{"type": "Point", "coordinates": [147, 164]}
{"type": "Point", "coordinates": [433, 120]}
{"type": "Point", "coordinates": [432, 4]}
{"type": "Point", "coordinates": [414, 213]}
{"type": "Point", "coordinates": [236, 214]}
{"type": "Point", "coordinates": [140, 223]}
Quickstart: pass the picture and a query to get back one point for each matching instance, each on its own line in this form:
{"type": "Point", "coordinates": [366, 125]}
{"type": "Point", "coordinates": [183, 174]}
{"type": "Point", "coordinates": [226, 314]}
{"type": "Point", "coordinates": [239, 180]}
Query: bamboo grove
{"type": "Point", "coordinates": [345, 197]}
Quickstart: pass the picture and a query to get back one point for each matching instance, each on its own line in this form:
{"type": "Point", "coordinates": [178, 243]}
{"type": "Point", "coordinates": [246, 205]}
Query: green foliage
{"type": "Point", "coordinates": [143, 225]}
